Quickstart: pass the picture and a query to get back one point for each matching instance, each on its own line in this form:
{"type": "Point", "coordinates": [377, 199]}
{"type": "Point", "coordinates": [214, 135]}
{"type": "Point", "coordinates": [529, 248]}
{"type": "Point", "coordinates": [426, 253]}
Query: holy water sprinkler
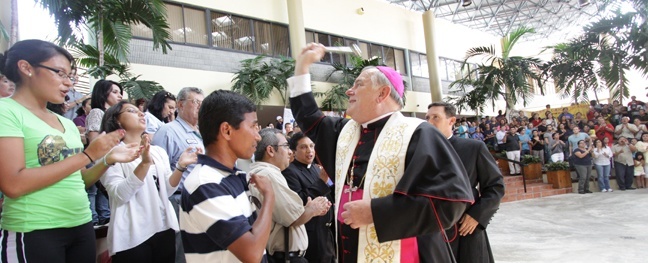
{"type": "Point", "coordinates": [353, 49]}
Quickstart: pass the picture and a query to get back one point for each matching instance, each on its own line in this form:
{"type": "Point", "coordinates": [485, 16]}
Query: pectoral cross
{"type": "Point", "coordinates": [350, 182]}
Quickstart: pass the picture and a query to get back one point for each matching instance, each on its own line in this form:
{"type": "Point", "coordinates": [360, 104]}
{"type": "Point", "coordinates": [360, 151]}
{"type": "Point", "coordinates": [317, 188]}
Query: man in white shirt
{"type": "Point", "coordinates": [273, 156]}
{"type": "Point", "coordinates": [625, 128]}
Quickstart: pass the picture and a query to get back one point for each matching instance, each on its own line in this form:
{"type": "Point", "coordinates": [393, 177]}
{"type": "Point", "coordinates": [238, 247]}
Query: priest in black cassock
{"type": "Point", "coordinates": [398, 182]}
{"type": "Point", "coordinates": [469, 240]}
{"type": "Point", "coordinates": [306, 179]}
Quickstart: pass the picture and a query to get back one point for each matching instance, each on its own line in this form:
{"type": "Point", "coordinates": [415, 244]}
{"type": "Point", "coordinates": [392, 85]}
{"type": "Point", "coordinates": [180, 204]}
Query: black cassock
{"type": "Point", "coordinates": [431, 196]}
{"type": "Point", "coordinates": [305, 181]}
{"type": "Point", "coordinates": [488, 189]}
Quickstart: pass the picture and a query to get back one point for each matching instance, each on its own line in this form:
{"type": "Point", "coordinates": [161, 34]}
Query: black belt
{"type": "Point", "coordinates": [295, 254]}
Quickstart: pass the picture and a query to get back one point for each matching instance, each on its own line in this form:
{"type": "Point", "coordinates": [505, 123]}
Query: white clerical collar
{"type": "Point", "coordinates": [364, 125]}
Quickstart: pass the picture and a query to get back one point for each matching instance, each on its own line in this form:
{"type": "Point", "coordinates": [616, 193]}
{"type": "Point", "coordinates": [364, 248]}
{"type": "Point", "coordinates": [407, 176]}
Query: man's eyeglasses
{"type": "Point", "coordinates": [282, 145]}
{"type": "Point", "coordinates": [196, 102]}
{"type": "Point", "coordinates": [59, 72]}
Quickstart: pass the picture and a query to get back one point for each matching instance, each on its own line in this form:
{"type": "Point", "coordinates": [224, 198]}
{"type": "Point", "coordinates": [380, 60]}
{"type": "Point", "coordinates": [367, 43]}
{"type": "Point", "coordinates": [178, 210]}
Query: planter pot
{"type": "Point", "coordinates": [533, 171]}
{"type": "Point", "coordinates": [559, 179]}
{"type": "Point", "coordinates": [503, 166]}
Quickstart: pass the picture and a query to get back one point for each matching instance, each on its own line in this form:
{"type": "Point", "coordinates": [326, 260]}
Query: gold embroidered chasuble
{"type": "Point", "coordinates": [385, 169]}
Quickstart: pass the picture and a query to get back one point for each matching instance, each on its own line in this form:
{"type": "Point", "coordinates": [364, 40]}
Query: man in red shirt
{"type": "Point", "coordinates": [604, 129]}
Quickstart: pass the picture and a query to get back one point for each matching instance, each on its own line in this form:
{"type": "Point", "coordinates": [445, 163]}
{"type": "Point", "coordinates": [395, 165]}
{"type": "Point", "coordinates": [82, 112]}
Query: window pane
{"type": "Point", "coordinates": [376, 51]}
{"type": "Point", "coordinates": [195, 29]}
{"type": "Point", "coordinates": [389, 57]}
{"type": "Point", "coordinates": [309, 37]}
{"type": "Point", "coordinates": [349, 43]}
{"type": "Point", "coordinates": [324, 40]}
{"type": "Point", "coordinates": [281, 40]}
{"type": "Point", "coordinates": [364, 47]}
{"type": "Point", "coordinates": [338, 58]}
{"type": "Point", "coordinates": [399, 56]}
{"type": "Point", "coordinates": [443, 72]}
{"type": "Point", "coordinates": [222, 26]}
{"type": "Point", "coordinates": [416, 64]}
{"type": "Point", "coordinates": [424, 66]}
{"type": "Point", "coordinates": [263, 35]}
{"type": "Point", "coordinates": [174, 19]}
{"type": "Point", "coordinates": [242, 34]}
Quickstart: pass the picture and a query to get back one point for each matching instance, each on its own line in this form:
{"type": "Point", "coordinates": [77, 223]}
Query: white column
{"type": "Point", "coordinates": [296, 27]}
{"type": "Point", "coordinates": [432, 58]}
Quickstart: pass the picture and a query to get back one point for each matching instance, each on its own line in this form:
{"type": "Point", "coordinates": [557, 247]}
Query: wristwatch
{"type": "Point", "coordinates": [181, 169]}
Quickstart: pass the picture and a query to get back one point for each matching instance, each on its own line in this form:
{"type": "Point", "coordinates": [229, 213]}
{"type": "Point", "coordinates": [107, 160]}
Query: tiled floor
{"type": "Point", "coordinates": [598, 227]}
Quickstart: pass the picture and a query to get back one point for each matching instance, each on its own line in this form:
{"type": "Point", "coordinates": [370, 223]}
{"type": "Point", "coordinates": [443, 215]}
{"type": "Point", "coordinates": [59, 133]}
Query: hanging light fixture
{"type": "Point", "coordinates": [583, 3]}
{"type": "Point", "coordinates": [465, 3]}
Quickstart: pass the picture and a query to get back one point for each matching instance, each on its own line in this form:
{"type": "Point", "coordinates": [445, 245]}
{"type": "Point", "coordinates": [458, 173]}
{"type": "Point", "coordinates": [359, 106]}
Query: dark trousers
{"type": "Point", "coordinates": [279, 258]}
{"type": "Point", "coordinates": [75, 244]}
{"type": "Point", "coordinates": [624, 175]}
{"type": "Point", "coordinates": [158, 248]}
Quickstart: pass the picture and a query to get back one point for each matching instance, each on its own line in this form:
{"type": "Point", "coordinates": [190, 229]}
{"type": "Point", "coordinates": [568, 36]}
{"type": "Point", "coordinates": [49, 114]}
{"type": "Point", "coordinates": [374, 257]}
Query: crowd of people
{"type": "Point", "coordinates": [609, 137]}
{"type": "Point", "coordinates": [171, 190]}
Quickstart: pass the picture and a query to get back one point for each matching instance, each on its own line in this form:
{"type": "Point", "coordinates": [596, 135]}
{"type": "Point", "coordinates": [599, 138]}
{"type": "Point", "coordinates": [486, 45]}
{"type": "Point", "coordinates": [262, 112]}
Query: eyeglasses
{"type": "Point", "coordinates": [282, 145]}
{"type": "Point", "coordinates": [59, 72]}
{"type": "Point", "coordinates": [130, 110]}
{"type": "Point", "coordinates": [196, 101]}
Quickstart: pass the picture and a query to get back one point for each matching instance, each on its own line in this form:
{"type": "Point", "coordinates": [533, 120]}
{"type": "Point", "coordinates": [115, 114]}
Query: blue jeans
{"type": "Point", "coordinates": [103, 207]}
{"type": "Point", "coordinates": [92, 196]}
{"type": "Point", "coordinates": [175, 202]}
{"type": "Point", "coordinates": [603, 173]}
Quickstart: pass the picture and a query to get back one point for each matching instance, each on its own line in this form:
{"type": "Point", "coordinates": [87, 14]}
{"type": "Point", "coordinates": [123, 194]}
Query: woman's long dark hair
{"type": "Point", "coordinates": [109, 122]}
{"type": "Point", "coordinates": [156, 104]}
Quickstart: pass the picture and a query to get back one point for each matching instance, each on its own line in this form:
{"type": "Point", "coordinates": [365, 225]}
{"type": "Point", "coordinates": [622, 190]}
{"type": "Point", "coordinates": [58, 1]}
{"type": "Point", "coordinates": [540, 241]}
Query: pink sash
{"type": "Point", "coordinates": [356, 195]}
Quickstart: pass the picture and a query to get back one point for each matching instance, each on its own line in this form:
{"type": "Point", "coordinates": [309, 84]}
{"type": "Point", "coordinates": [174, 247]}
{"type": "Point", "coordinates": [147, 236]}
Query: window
{"type": "Point", "coordinates": [176, 24]}
{"type": "Point", "coordinates": [415, 60]}
{"type": "Point", "coordinates": [195, 29]}
{"type": "Point", "coordinates": [338, 58]}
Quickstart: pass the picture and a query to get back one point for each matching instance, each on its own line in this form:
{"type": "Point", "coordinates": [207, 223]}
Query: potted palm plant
{"type": "Point", "coordinates": [558, 174]}
{"type": "Point", "coordinates": [532, 168]}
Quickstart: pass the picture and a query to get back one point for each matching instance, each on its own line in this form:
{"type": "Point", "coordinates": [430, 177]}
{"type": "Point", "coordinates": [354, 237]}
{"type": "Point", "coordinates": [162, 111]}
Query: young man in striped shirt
{"type": "Point", "coordinates": [218, 220]}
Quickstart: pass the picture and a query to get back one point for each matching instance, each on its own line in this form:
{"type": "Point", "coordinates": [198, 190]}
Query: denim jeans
{"type": "Point", "coordinates": [92, 196]}
{"type": "Point", "coordinates": [603, 173]}
{"type": "Point", "coordinates": [175, 202]}
{"type": "Point", "coordinates": [103, 207]}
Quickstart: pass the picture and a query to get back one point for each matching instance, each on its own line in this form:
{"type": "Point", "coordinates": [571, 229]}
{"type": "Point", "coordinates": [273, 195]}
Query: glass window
{"type": "Point", "coordinates": [364, 47]}
{"type": "Point", "coordinates": [424, 66]}
{"type": "Point", "coordinates": [176, 25]}
{"type": "Point", "coordinates": [221, 25]}
{"type": "Point", "coordinates": [195, 29]}
{"type": "Point", "coordinates": [350, 42]}
{"type": "Point", "coordinates": [338, 58]}
{"type": "Point", "coordinates": [242, 34]}
{"type": "Point", "coordinates": [324, 40]}
{"type": "Point", "coordinates": [376, 51]}
{"type": "Point", "coordinates": [281, 40]}
{"type": "Point", "coordinates": [415, 60]}
{"type": "Point", "coordinates": [310, 37]}
{"type": "Point", "coordinates": [399, 56]}
{"type": "Point", "coordinates": [263, 35]}
{"type": "Point", "coordinates": [389, 57]}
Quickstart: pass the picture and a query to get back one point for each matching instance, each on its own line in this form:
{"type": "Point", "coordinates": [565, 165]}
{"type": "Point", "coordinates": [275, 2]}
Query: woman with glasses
{"type": "Point", "coordinates": [144, 222]}
{"type": "Point", "coordinates": [45, 217]}
{"type": "Point", "coordinates": [160, 110]}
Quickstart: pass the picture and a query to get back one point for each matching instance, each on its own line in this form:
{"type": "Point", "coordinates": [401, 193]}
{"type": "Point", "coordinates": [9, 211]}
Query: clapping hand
{"type": "Point", "coordinates": [320, 205]}
{"type": "Point", "coordinates": [189, 156]}
{"type": "Point", "coordinates": [125, 153]}
{"type": "Point", "coordinates": [145, 146]}
{"type": "Point", "coordinates": [104, 143]}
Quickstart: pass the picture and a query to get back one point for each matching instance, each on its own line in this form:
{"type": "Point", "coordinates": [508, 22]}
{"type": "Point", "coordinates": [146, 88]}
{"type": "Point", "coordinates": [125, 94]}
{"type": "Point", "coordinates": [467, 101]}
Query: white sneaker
{"type": "Point", "coordinates": [610, 190]}
{"type": "Point", "coordinates": [604, 190]}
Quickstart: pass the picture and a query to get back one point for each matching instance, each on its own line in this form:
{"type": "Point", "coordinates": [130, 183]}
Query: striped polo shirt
{"type": "Point", "coordinates": [215, 211]}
